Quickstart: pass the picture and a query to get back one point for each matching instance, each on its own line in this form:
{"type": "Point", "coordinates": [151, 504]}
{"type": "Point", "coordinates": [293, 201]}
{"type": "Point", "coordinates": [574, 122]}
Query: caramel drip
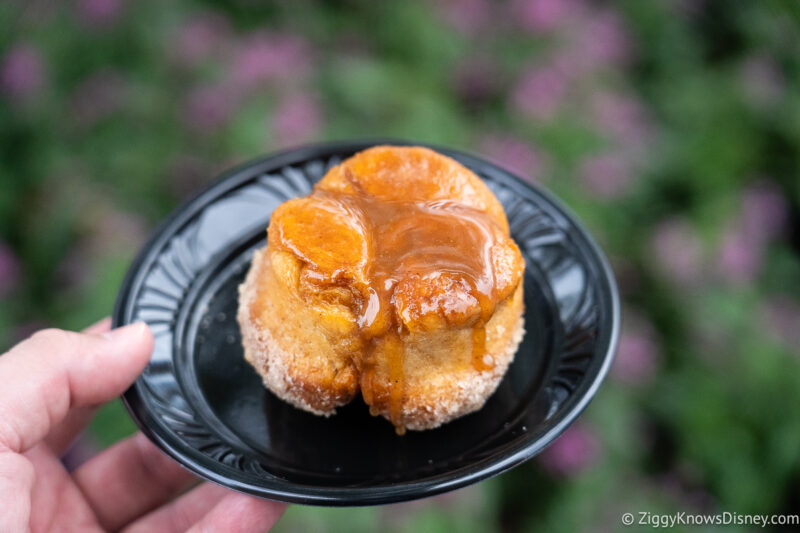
{"type": "Point", "coordinates": [419, 241]}
{"type": "Point", "coordinates": [480, 359]}
{"type": "Point", "coordinates": [387, 394]}
{"type": "Point", "coordinates": [393, 354]}
{"type": "Point", "coordinates": [368, 381]}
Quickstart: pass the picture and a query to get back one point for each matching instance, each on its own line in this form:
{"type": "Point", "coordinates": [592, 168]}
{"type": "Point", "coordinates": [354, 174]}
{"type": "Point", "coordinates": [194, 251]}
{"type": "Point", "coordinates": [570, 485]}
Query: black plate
{"type": "Point", "coordinates": [200, 402]}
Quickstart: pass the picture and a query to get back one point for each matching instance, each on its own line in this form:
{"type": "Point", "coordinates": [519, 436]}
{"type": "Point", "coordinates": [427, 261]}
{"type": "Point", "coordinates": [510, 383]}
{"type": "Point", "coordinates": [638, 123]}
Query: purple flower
{"type": "Point", "coordinates": [22, 72]}
{"type": "Point", "coordinates": [513, 154]}
{"type": "Point", "coordinates": [608, 175]}
{"type": "Point", "coordinates": [765, 211]}
{"type": "Point", "coordinates": [264, 57]}
{"type": "Point", "coordinates": [740, 257]}
{"type": "Point", "coordinates": [677, 252]}
{"type": "Point", "coordinates": [600, 40]}
{"type": "Point", "coordinates": [762, 217]}
{"type": "Point", "coordinates": [571, 453]}
{"type": "Point", "coordinates": [209, 107]}
{"type": "Point", "coordinates": [781, 316]}
{"type": "Point", "coordinates": [9, 271]}
{"type": "Point", "coordinates": [544, 15]}
{"type": "Point", "coordinates": [298, 118]}
{"type": "Point", "coordinates": [540, 92]}
{"type": "Point", "coordinates": [99, 13]}
{"type": "Point", "coordinates": [468, 16]}
{"type": "Point", "coordinates": [572, 63]}
{"type": "Point", "coordinates": [604, 38]}
{"type": "Point", "coordinates": [98, 96]}
{"type": "Point", "coordinates": [763, 80]}
{"type": "Point", "coordinates": [199, 38]}
{"type": "Point", "coordinates": [638, 354]}
{"type": "Point", "coordinates": [622, 116]}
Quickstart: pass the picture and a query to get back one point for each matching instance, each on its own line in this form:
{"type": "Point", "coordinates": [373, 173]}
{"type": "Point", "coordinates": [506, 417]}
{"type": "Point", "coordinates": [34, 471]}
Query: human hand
{"type": "Point", "coordinates": [49, 386]}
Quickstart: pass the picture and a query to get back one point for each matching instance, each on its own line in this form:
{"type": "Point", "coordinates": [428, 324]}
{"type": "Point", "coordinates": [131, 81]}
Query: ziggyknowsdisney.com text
{"type": "Point", "coordinates": [658, 520]}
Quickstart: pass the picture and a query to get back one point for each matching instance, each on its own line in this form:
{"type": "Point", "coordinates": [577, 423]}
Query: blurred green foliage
{"type": "Point", "coordinates": [671, 127]}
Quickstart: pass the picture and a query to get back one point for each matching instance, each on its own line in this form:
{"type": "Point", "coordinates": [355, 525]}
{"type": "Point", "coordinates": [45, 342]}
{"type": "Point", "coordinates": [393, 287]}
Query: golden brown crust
{"type": "Point", "coordinates": [300, 365]}
{"type": "Point", "coordinates": [331, 243]}
{"type": "Point", "coordinates": [290, 347]}
{"type": "Point", "coordinates": [410, 173]}
{"type": "Point", "coordinates": [302, 306]}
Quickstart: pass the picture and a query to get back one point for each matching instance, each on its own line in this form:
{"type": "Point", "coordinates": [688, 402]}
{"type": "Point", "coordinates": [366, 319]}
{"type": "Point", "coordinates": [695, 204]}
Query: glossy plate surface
{"type": "Point", "coordinates": [205, 406]}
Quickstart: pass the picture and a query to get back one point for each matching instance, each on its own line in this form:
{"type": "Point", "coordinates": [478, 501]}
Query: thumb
{"type": "Point", "coordinates": [54, 370]}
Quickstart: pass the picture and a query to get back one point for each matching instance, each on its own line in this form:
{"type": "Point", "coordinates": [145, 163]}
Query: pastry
{"type": "Point", "coordinates": [395, 278]}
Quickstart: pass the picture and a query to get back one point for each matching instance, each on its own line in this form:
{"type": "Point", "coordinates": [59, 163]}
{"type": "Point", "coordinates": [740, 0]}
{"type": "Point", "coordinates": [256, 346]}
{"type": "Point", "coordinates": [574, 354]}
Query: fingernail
{"type": "Point", "coordinates": [130, 331]}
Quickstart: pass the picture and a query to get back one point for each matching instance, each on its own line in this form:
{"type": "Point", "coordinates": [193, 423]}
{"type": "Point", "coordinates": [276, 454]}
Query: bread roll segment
{"type": "Point", "coordinates": [395, 278]}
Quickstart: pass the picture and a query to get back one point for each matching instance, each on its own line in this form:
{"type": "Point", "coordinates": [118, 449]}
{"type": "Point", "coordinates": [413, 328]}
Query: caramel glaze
{"type": "Point", "coordinates": [404, 247]}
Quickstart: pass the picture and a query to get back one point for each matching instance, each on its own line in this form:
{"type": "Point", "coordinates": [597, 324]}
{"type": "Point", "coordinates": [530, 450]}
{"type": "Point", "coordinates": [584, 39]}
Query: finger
{"type": "Point", "coordinates": [56, 502]}
{"type": "Point", "coordinates": [211, 508]}
{"type": "Point", "coordinates": [62, 435]}
{"type": "Point", "coordinates": [238, 513]}
{"type": "Point", "coordinates": [129, 479]}
{"type": "Point", "coordinates": [16, 481]}
{"type": "Point", "coordinates": [181, 514]}
{"type": "Point", "coordinates": [54, 370]}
